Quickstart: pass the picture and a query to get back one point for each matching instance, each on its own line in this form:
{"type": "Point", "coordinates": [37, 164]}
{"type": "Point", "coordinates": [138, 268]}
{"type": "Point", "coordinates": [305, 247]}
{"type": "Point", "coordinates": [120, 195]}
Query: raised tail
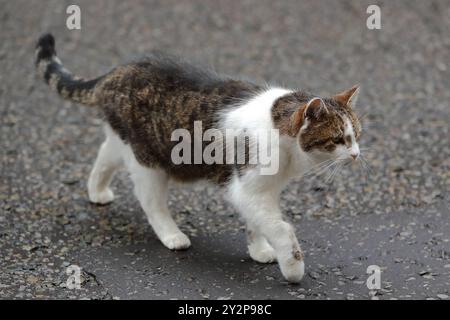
{"type": "Point", "coordinates": [60, 79]}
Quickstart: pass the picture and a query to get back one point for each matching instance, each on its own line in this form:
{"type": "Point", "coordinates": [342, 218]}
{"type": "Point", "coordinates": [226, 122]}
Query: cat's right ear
{"type": "Point", "coordinates": [313, 109]}
{"type": "Point", "coordinates": [348, 97]}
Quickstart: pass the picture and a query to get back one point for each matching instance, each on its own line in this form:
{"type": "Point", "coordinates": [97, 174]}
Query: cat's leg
{"type": "Point", "coordinates": [262, 213]}
{"type": "Point", "coordinates": [258, 247]}
{"type": "Point", "coordinates": [108, 161]}
{"type": "Point", "coordinates": [281, 237]}
{"type": "Point", "coordinates": [151, 189]}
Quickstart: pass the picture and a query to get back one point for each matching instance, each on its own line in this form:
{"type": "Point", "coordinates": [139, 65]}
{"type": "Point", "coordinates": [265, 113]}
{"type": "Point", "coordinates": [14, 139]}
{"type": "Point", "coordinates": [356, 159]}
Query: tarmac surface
{"type": "Point", "coordinates": [396, 216]}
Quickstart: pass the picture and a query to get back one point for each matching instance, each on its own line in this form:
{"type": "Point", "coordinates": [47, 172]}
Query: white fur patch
{"type": "Point", "coordinates": [354, 149]}
{"type": "Point", "coordinates": [255, 114]}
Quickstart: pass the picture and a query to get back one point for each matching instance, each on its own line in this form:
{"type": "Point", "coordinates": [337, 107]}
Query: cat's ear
{"type": "Point", "coordinates": [348, 97]}
{"type": "Point", "coordinates": [313, 109]}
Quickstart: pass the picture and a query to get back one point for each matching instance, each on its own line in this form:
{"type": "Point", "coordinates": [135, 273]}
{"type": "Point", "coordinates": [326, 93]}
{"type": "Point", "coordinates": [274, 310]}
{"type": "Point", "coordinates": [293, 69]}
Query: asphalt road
{"type": "Point", "coordinates": [396, 217]}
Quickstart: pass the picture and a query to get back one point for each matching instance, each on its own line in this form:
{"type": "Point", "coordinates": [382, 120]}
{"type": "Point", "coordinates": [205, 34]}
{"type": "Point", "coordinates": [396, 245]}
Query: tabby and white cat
{"type": "Point", "coordinates": [143, 102]}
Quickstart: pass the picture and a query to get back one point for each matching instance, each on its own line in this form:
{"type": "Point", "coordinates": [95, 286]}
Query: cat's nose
{"type": "Point", "coordinates": [354, 151]}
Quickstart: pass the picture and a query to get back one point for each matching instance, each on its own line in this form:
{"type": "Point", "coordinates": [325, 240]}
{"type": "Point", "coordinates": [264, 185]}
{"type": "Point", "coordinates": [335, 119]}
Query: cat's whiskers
{"type": "Point", "coordinates": [364, 161]}
{"type": "Point", "coordinates": [316, 170]}
{"type": "Point", "coordinates": [330, 174]}
{"type": "Point", "coordinates": [319, 168]}
{"type": "Point", "coordinates": [336, 170]}
{"type": "Point", "coordinates": [364, 166]}
{"type": "Point", "coordinates": [314, 167]}
{"type": "Point", "coordinates": [364, 169]}
{"type": "Point", "coordinates": [333, 165]}
{"type": "Point", "coordinates": [366, 151]}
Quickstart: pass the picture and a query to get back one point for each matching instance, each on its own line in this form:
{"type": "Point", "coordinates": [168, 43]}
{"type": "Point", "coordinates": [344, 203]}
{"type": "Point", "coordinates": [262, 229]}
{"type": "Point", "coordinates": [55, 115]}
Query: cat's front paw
{"type": "Point", "coordinates": [265, 255]}
{"type": "Point", "coordinates": [103, 197]}
{"type": "Point", "coordinates": [177, 241]}
{"type": "Point", "coordinates": [293, 270]}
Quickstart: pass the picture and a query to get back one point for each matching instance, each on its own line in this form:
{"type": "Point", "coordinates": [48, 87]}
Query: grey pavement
{"type": "Point", "coordinates": [395, 216]}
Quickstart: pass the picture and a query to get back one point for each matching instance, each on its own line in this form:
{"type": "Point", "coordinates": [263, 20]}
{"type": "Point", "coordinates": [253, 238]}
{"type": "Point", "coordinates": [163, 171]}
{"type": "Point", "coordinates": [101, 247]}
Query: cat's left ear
{"type": "Point", "coordinates": [348, 97]}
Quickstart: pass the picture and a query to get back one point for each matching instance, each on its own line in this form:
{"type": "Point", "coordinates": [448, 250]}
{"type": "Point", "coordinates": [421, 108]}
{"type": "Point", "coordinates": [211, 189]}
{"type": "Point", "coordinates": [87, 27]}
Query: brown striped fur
{"type": "Point", "coordinates": [145, 101]}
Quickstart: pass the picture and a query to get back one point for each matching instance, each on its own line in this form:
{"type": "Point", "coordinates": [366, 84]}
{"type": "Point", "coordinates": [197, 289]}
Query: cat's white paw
{"type": "Point", "coordinates": [293, 270]}
{"type": "Point", "coordinates": [104, 197]}
{"type": "Point", "coordinates": [177, 241]}
{"type": "Point", "coordinates": [266, 255]}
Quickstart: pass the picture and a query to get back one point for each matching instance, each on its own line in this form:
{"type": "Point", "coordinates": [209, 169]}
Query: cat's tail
{"type": "Point", "coordinates": [60, 79]}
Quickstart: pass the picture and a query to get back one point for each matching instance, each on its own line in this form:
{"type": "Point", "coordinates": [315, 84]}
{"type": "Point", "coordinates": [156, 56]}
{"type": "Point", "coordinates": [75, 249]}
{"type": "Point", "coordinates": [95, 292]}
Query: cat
{"type": "Point", "coordinates": [143, 102]}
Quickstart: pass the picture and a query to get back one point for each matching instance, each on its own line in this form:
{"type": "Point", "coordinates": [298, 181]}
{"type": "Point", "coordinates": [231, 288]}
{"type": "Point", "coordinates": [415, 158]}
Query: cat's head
{"type": "Point", "coordinates": [327, 128]}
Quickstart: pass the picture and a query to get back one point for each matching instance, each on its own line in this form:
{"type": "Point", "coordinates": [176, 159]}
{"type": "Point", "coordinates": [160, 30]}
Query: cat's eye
{"type": "Point", "coordinates": [339, 140]}
{"type": "Point", "coordinates": [348, 140]}
{"type": "Point", "coordinates": [330, 147]}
